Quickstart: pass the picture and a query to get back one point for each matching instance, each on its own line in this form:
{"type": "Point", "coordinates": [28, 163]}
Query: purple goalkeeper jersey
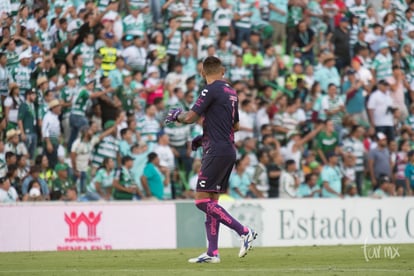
{"type": "Point", "coordinates": [218, 104]}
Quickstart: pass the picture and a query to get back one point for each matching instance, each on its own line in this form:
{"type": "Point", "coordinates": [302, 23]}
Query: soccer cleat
{"type": "Point", "coordinates": [247, 241]}
{"type": "Point", "coordinates": [204, 258]}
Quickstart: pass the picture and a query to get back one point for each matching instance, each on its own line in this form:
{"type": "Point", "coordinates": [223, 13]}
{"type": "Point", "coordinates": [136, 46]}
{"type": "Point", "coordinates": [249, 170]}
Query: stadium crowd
{"type": "Point", "coordinates": [326, 94]}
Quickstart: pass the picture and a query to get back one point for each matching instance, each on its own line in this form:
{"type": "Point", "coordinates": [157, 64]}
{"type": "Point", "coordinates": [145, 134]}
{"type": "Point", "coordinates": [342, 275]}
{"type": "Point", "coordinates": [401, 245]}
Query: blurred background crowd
{"type": "Point", "coordinates": [326, 90]}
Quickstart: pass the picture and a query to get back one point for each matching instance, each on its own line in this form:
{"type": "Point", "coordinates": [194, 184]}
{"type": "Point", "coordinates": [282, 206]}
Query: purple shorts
{"type": "Point", "coordinates": [215, 173]}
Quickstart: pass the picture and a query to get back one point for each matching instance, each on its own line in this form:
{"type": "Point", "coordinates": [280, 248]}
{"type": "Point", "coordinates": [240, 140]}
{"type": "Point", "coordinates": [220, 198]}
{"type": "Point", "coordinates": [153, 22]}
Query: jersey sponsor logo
{"type": "Point", "coordinates": [204, 92]}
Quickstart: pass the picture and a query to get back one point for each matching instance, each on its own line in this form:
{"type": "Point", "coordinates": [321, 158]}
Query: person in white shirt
{"type": "Point", "coordinates": [51, 132]}
{"type": "Point", "coordinates": [164, 151]}
{"type": "Point", "coordinates": [246, 121]}
{"type": "Point", "coordinates": [7, 192]}
{"type": "Point", "coordinates": [289, 181]}
{"type": "Point", "coordinates": [135, 55]}
{"type": "Point", "coordinates": [381, 110]}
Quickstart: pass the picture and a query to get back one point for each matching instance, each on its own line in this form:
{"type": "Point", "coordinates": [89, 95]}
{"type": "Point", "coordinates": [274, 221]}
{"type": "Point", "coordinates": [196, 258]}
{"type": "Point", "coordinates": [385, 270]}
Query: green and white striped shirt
{"type": "Point", "coordinates": [240, 73]}
{"type": "Point", "coordinates": [148, 127]}
{"type": "Point", "coordinates": [179, 135]}
{"type": "Point", "coordinates": [80, 102]}
{"type": "Point", "coordinates": [223, 18]}
{"type": "Point", "coordinates": [134, 25]}
{"type": "Point", "coordinates": [45, 38]}
{"type": "Point", "coordinates": [87, 52]}
{"type": "Point", "coordinates": [355, 147]}
{"type": "Point", "coordinates": [108, 147]}
{"type": "Point", "coordinates": [12, 59]}
{"type": "Point", "coordinates": [330, 104]}
{"type": "Point", "coordinates": [360, 11]}
{"type": "Point", "coordinates": [382, 66]}
{"type": "Point", "coordinates": [4, 81]}
{"type": "Point", "coordinates": [245, 21]}
{"type": "Point", "coordinates": [66, 95]}
{"type": "Point", "coordinates": [21, 75]}
{"type": "Point", "coordinates": [173, 44]}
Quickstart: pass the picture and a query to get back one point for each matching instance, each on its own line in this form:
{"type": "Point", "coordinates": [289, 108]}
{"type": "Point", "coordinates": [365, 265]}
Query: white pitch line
{"type": "Point", "coordinates": [328, 269]}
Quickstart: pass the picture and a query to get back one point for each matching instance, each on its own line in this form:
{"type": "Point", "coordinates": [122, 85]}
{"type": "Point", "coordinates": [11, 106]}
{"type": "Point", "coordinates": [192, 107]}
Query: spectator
{"type": "Point", "coordinates": [148, 125]}
{"type": "Point", "coordinates": [35, 192]}
{"type": "Point", "coordinates": [107, 147]}
{"type": "Point", "coordinates": [239, 181]}
{"type": "Point", "coordinates": [353, 146]}
{"type": "Point", "coordinates": [355, 100]}
{"type": "Point", "coordinates": [381, 110]}
{"type": "Point", "coordinates": [27, 122]}
{"type": "Point", "coordinates": [382, 63]}
{"type": "Point", "coordinates": [409, 173]}
{"type": "Point", "coordinates": [401, 163]}
{"type": "Point", "coordinates": [77, 117]}
{"type": "Point", "coordinates": [309, 189]}
{"type": "Point", "coordinates": [278, 18]}
{"type": "Point", "coordinates": [379, 161]}
{"type": "Point", "coordinates": [305, 39]}
{"type": "Point", "coordinates": [13, 143]}
{"type": "Point", "coordinates": [7, 192]}
{"type": "Point", "coordinates": [46, 173]}
{"type": "Point", "coordinates": [289, 181]}
{"type": "Point", "coordinates": [260, 180]}
{"type": "Point", "coordinates": [341, 43]}
{"type": "Point", "coordinates": [124, 185]}
{"type": "Point", "coordinates": [246, 130]}
{"type": "Point", "coordinates": [351, 191]}
{"type": "Point", "coordinates": [274, 169]}
{"type": "Point", "coordinates": [398, 86]}
{"type": "Point", "coordinates": [385, 188]}
{"type": "Point", "coordinates": [21, 74]}
{"type": "Point", "coordinates": [327, 141]}
{"type": "Point", "coordinates": [327, 73]}
{"type": "Point", "coordinates": [334, 108]}
{"type": "Point", "coordinates": [61, 183]}
{"type": "Point", "coordinates": [153, 180]}
{"type": "Point", "coordinates": [11, 105]}
{"type": "Point", "coordinates": [51, 132]}
{"type": "Point", "coordinates": [331, 177]}
{"type": "Point", "coordinates": [4, 76]}
{"type": "Point", "coordinates": [100, 187]}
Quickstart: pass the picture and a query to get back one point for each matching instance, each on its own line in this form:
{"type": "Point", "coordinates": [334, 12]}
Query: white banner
{"type": "Point", "coordinates": [51, 227]}
{"type": "Point", "coordinates": [323, 221]}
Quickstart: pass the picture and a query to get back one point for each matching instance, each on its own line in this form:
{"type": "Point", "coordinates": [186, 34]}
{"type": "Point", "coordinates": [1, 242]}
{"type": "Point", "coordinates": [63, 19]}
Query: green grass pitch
{"type": "Point", "coordinates": [316, 260]}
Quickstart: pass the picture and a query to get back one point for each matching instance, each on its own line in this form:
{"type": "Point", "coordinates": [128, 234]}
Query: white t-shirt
{"type": "Point", "coordinates": [245, 120]}
{"type": "Point", "coordinates": [8, 196]}
{"type": "Point", "coordinates": [83, 152]}
{"type": "Point", "coordinates": [364, 75]}
{"type": "Point", "coordinates": [287, 187]}
{"type": "Point", "coordinates": [166, 155]}
{"type": "Point", "coordinates": [380, 102]}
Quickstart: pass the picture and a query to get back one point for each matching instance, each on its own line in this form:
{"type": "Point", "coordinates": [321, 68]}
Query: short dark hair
{"type": "Point", "coordinates": [211, 65]}
{"type": "Point", "coordinates": [9, 155]}
{"type": "Point", "coordinates": [289, 163]}
{"type": "Point", "coordinates": [308, 177]}
{"type": "Point", "coordinates": [152, 156]}
{"type": "Point", "coordinates": [124, 131]}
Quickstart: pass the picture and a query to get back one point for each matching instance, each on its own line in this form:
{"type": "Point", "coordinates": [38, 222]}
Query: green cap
{"type": "Point", "coordinates": [133, 7]}
{"type": "Point", "coordinates": [109, 124]}
{"type": "Point", "coordinates": [61, 167]}
{"type": "Point", "coordinates": [313, 165]}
